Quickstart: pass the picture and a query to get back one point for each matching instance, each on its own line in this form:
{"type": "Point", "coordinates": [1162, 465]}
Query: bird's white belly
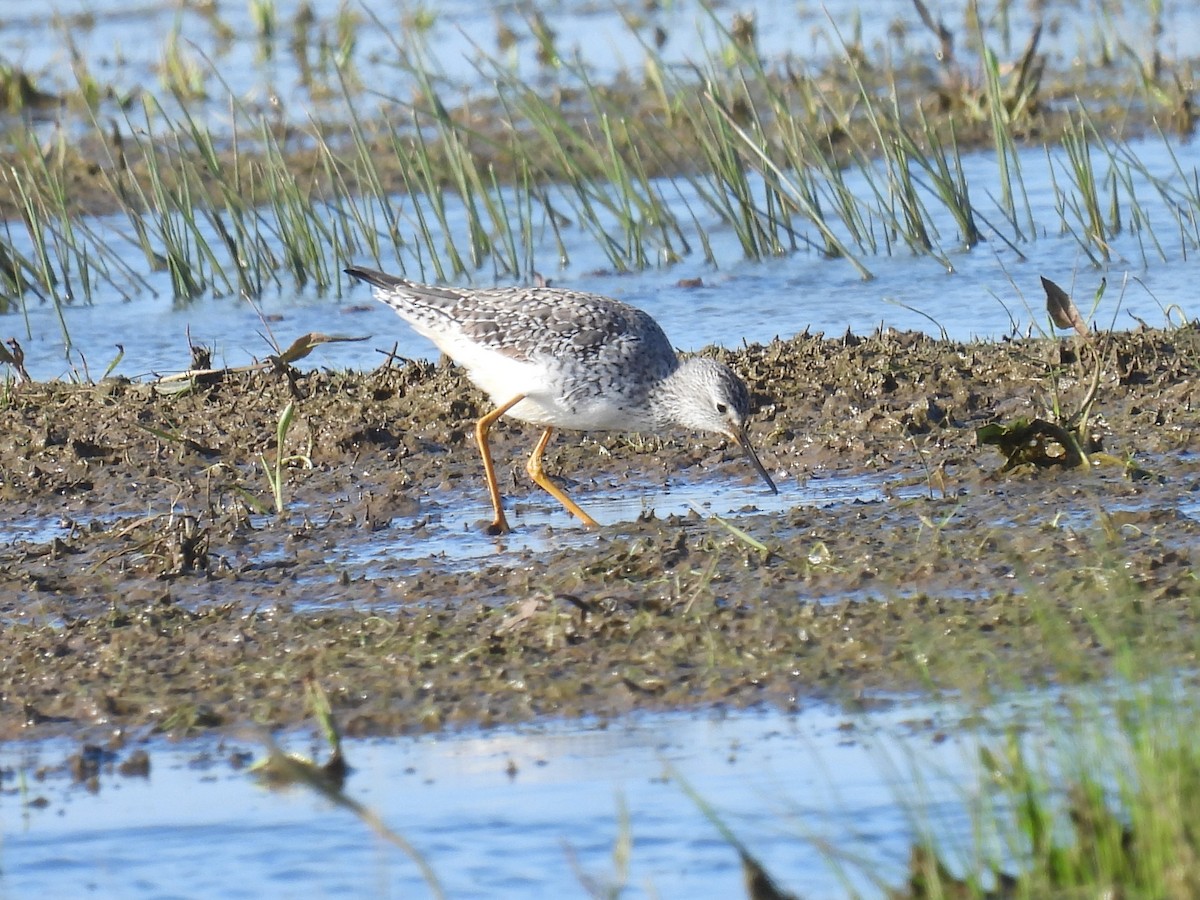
{"type": "Point", "coordinates": [594, 416]}
{"type": "Point", "coordinates": [504, 377]}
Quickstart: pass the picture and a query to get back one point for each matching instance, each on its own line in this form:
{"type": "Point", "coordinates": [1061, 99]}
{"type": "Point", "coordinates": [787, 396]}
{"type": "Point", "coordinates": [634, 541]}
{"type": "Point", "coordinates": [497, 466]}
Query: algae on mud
{"type": "Point", "coordinates": [172, 600]}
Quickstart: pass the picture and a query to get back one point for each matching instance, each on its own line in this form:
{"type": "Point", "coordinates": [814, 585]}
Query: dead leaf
{"type": "Point", "coordinates": [14, 357]}
{"type": "Point", "coordinates": [306, 343]}
{"type": "Point", "coordinates": [525, 611]}
{"type": "Point", "coordinates": [1062, 309]}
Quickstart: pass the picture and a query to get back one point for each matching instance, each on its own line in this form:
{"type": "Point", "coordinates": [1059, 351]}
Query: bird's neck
{"type": "Point", "coordinates": [667, 399]}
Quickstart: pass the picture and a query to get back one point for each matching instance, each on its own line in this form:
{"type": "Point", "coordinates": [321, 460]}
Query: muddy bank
{"type": "Point", "coordinates": [146, 580]}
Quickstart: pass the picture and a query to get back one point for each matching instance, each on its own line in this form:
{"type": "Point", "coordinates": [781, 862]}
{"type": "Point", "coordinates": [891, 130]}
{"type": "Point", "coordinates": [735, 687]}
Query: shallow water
{"type": "Point", "coordinates": [449, 530]}
{"type": "Point", "coordinates": [124, 47]}
{"type": "Point", "coordinates": [994, 289]}
{"type": "Point", "coordinates": [445, 534]}
{"type": "Point", "coordinates": [991, 293]}
{"type": "Point", "coordinates": [783, 783]}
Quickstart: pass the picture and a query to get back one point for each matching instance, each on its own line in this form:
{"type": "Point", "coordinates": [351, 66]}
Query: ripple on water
{"type": "Point", "coordinates": [507, 812]}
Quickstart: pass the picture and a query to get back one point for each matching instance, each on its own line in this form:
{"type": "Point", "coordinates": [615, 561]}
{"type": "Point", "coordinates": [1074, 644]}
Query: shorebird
{"type": "Point", "coordinates": [570, 360]}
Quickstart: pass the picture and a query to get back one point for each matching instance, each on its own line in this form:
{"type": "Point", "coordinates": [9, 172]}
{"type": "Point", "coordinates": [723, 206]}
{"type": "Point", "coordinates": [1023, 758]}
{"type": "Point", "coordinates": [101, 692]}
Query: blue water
{"type": "Point", "coordinates": [123, 46]}
{"type": "Point", "coordinates": [989, 291]}
{"type": "Point", "coordinates": [787, 785]}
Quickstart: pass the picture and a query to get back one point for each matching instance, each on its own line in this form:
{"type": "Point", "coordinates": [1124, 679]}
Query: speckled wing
{"type": "Point", "coordinates": [534, 324]}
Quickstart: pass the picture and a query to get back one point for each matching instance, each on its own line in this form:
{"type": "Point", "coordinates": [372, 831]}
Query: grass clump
{"type": "Point", "coordinates": [848, 161]}
{"type": "Point", "coordinates": [1095, 801]}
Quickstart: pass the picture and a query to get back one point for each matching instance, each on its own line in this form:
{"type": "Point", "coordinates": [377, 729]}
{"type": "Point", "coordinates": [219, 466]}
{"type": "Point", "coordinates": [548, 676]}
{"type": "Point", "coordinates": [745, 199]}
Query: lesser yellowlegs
{"type": "Point", "coordinates": [565, 359]}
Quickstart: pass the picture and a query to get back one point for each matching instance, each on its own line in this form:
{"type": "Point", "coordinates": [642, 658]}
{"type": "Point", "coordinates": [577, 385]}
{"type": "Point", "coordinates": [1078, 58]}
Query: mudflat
{"type": "Point", "coordinates": [147, 580]}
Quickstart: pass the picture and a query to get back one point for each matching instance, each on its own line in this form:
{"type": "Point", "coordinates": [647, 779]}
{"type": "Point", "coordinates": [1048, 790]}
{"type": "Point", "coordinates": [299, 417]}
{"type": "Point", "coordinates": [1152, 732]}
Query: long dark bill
{"type": "Point", "coordinates": [739, 438]}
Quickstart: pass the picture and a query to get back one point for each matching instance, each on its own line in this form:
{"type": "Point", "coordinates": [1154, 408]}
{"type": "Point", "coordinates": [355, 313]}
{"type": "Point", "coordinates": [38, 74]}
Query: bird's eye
{"type": "Point", "coordinates": [722, 408]}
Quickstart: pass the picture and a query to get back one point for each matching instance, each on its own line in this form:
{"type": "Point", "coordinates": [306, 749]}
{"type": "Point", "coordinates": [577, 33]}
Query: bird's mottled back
{"type": "Point", "coordinates": [531, 322]}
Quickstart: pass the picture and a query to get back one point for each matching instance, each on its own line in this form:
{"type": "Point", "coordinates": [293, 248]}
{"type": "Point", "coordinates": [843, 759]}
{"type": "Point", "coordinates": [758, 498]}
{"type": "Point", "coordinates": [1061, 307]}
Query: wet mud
{"type": "Point", "coordinates": [147, 581]}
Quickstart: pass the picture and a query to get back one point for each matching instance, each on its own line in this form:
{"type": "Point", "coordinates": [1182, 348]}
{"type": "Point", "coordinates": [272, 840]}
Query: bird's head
{"type": "Point", "coordinates": [711, 397]}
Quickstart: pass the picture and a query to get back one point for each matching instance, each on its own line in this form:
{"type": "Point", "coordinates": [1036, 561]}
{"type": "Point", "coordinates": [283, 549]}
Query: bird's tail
{"type": "Point", "coordinates": [377, 279]}
{"type": "Point", "coordinates": [392, 289]}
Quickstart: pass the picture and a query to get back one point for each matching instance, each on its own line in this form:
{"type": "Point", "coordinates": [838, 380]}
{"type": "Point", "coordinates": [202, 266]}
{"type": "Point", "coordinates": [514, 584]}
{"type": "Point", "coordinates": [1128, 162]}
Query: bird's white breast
{"type": "Point", "coordinates": [552, 393]}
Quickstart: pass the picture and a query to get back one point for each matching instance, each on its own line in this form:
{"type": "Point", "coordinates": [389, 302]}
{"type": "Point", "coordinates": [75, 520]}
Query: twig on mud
{"type": "Point", "coordinates": [300, 348]}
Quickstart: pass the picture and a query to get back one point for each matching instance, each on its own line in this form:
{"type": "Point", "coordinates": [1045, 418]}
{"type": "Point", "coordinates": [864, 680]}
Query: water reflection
{"type": "Point", "coordinates": [510, 812]}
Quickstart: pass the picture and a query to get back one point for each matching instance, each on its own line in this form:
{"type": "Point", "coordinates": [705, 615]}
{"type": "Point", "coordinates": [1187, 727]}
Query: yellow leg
{"type": "Point", "coordinates": [534, 468]}
{"type": "Point", "coordinates": [482, 427]}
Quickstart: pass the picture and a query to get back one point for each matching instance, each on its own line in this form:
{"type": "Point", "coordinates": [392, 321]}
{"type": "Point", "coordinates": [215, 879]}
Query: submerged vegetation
{"type": "Point", "coordinates": [1094, 802]}
{"type": "Point", "coordinates": [857, 153]}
